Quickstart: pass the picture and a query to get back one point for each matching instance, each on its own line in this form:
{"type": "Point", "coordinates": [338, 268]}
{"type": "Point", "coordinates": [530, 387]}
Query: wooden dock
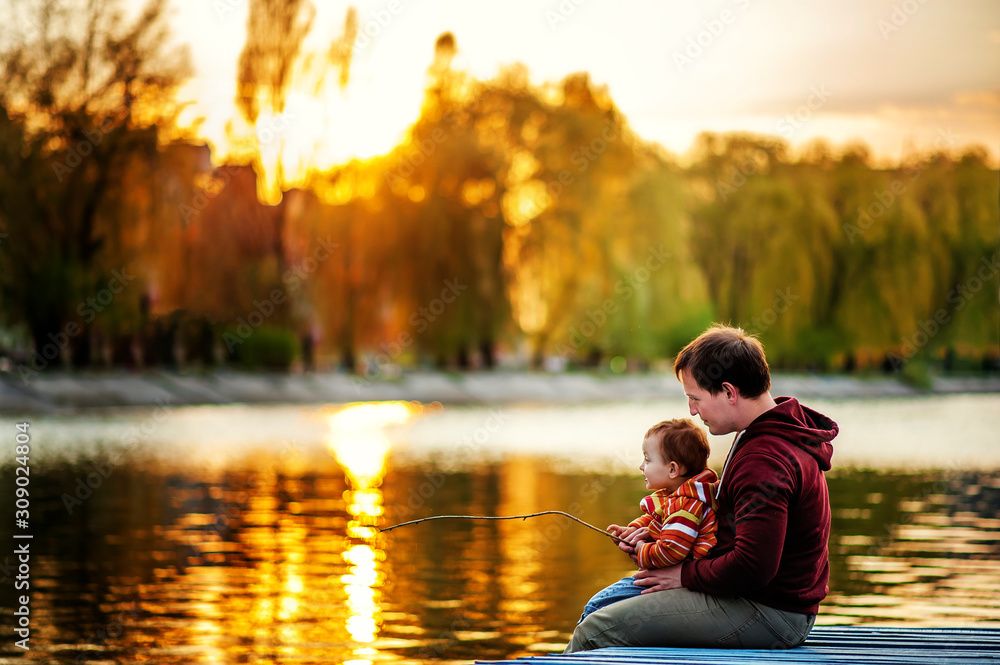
{"type": "Point", "coordinates": [827, 645]}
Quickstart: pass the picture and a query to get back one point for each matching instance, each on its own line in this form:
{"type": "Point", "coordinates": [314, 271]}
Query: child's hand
{"type": "Point", "coordinates": [636, 536]}
{"type": "Point", "coordinates": [621, 532]}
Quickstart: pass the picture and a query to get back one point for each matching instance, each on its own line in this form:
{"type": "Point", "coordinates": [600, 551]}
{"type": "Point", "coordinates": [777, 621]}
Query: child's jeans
{"type": "Point", "coordinates": [620, 590]}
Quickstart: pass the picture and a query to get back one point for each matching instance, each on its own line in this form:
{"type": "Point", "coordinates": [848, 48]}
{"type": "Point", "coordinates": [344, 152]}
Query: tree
{"type": "Point", "coordinates": [78, 128]}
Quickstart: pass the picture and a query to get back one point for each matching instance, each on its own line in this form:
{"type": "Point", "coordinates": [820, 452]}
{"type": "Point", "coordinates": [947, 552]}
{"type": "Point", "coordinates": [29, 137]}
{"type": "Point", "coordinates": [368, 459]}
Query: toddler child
{"type": "Point", "coordinates": [678, 520]}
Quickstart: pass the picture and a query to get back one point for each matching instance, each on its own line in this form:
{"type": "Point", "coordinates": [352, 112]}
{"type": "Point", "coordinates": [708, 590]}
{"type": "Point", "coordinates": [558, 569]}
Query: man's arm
{"type": "Point", "coordinates": [760, 520]}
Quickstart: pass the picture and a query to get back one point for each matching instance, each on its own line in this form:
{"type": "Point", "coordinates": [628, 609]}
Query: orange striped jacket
{"type": "Point", "coordinates": [681, 524]}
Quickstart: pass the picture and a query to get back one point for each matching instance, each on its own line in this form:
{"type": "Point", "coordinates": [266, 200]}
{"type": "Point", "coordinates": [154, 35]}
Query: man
{"type": "Point", "coordinates": [761, 586]}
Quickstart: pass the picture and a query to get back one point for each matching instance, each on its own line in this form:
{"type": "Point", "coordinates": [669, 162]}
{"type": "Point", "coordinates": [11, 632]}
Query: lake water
{"type": "Point", "coordinates": [237, 534]}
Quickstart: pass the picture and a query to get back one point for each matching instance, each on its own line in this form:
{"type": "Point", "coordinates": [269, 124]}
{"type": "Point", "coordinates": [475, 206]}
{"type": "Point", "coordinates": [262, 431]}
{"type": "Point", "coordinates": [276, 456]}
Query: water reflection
{"type": "Point", "coordinates": [358, 440]}
{"type": "Point", "coordinates": [924, 551]}
{"type": "Point", "coordinates": [275, 558]}
{"type": "Point", "coordinates": [521, 568]}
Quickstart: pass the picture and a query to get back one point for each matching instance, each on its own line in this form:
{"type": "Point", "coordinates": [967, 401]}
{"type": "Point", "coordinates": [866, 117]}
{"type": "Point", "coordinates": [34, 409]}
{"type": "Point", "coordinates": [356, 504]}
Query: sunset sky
{"type": "Point", "coordinates": [897, 75]}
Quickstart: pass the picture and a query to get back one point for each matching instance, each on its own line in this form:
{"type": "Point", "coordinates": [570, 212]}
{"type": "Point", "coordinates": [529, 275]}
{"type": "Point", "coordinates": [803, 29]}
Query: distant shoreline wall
{"type": "Point", "coordinates": [68, 392]}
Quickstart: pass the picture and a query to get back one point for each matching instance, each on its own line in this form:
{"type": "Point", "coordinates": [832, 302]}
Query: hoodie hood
{"type": "Point", "coordinates": [800, 426]}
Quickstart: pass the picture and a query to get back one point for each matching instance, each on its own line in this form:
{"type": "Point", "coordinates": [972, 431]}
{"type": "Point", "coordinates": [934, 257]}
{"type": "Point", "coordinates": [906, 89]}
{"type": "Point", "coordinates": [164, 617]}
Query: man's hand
{"type": "Point", "coordinates": [659, 579]}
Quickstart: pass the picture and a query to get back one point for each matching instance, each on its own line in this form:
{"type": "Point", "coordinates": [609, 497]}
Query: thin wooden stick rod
{"type": "Point", "coordinates": [506, 517]}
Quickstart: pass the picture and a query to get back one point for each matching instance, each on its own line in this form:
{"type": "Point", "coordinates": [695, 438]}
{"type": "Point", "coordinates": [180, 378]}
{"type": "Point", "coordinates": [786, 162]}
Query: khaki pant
{"type": "Point", "coordinates": [684, 618]}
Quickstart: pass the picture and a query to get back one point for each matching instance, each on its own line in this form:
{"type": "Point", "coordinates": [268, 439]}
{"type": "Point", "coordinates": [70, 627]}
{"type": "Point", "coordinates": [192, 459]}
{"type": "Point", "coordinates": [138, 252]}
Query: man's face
{"type": "Point", "coordinates": [715, 410]}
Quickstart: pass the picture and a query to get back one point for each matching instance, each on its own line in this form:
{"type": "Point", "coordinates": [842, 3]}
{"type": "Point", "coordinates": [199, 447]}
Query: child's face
{"type": "Point", "coordinates": [659, 474]}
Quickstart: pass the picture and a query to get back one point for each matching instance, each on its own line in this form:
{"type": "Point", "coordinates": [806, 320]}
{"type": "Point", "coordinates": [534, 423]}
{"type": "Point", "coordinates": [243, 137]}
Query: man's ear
{"type": "Point", "coordinates": [731, 391]}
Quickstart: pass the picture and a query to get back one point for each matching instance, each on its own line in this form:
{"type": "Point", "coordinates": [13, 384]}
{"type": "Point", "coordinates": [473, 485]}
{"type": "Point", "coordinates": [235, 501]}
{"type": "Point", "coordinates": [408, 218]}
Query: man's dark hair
{"type": "Point", "coordinates": [726, 354]}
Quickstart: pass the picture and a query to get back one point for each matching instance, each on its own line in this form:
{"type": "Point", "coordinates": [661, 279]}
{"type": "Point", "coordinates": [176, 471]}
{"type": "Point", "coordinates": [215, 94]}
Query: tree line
{"type": "Point", "coordinates": [515, 221]}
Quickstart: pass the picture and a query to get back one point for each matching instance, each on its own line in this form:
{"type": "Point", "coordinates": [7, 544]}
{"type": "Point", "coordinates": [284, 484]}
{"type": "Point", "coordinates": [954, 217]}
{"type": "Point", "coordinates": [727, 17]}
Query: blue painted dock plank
{"type": "Point", "coordinates": [827, 645]}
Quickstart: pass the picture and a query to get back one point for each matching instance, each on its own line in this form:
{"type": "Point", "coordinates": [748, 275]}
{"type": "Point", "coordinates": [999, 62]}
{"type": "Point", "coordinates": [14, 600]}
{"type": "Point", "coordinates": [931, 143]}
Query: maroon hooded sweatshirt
{"type": "Point", "coordinates": [774, 514]}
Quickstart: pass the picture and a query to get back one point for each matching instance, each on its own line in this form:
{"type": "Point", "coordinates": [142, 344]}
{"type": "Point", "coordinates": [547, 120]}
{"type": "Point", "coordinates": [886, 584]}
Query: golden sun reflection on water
{"type": "Point", "coordinates": [277, 558]}
{"type": "Point", "coordinates": [358, 441]}
{"type": "Point", "coordinates": [360, 585]}
{"type": "Point", "coordinates": [521, 567]}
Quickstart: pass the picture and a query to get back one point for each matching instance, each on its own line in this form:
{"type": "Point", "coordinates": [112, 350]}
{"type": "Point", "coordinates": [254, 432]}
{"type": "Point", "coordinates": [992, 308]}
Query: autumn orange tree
{"type": "Point", "coordinates": [512, 216]}
{"type": "Point", "coordinates": [85, 88]}
{"type": "Point", "coordinates": [576, 236]}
